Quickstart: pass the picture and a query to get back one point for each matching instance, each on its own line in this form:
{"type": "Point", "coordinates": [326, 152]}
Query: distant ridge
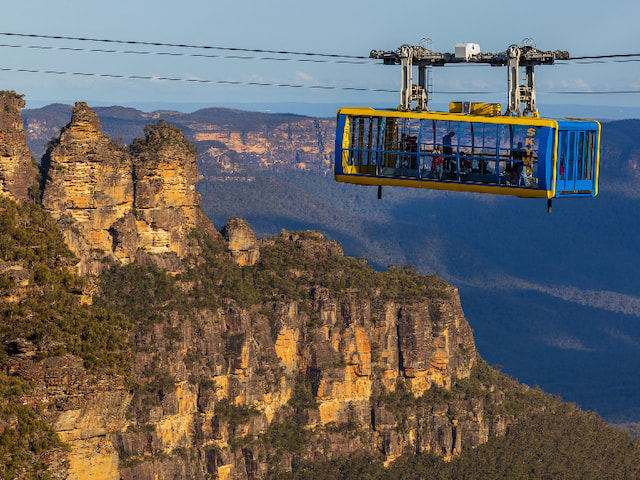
{"type": "Point", "coordinates": [323, 110]}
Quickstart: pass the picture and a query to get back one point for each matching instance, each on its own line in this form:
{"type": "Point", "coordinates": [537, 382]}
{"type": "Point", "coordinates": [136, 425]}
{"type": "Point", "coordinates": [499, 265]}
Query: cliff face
{"type": "Point", "coordinates": [289, 364]}
{"type": "Point", "coordinates": [250, 357]}
{"type": "Point", "coordinates": [238, 373]}
{"type": "Point", "coordinates": [18, 171]}
{"type": "Point", "coordinates": [304, 143]}
{"type": "Point", "coordinates": [115, 205]}
{"type": "Point", "coordinates": [83, 409]}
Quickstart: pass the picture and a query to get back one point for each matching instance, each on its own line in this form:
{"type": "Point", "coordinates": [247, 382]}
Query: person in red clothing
{"type": "Point", "coordinates": [437, 163]}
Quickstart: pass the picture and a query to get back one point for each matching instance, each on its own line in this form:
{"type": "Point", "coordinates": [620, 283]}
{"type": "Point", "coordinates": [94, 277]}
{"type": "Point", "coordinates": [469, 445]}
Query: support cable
{"type": "Point", "coordinates": [182, 45]}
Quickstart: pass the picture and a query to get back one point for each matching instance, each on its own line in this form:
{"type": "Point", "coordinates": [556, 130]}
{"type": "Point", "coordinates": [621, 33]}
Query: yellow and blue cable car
{"type": "Point", "coordinates": [522, 156]}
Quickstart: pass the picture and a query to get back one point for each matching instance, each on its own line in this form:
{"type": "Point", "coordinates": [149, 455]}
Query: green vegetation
{"type": "Point", "coordinates": [551, 440]}
{"type": "Point", "coordinates": [500, 394]}
{"type": "Point", "coordinates": [234, 415]}
{"type": "Point", "coordinates": [302, 394]}
{"type": "Point", "coordinates": [42, 315]}
{"type": "Point", "coordinates": [47, 312]}
{"type": "Point", "coordinates": [563, 444]}
{"type": "Point", "coordinates": [285, 437]}
{"type": "Point", "coordinates": [289, 269]}
{"type": "Point", "coordinates": [144, 294]}
{"type": "Point", "coordinates": [24, 437]}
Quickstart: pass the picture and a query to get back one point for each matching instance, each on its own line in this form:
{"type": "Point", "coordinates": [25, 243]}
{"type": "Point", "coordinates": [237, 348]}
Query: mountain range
{"type": "Point", "coordinates": [141, 342]}
{"type": "Point", "coordinates": [553, 298]}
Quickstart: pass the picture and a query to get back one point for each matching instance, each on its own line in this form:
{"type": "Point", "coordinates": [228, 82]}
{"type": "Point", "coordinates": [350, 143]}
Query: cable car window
{"type": "Point", "coordinates": [367, 141]}
{"type": "Point", "coordinates": [390, 146]}
{"type": "Point", "coordinates": [428, 149]}
{"type": "Point", "coordinates": [466, 150]}
{"type": "Point", "coordinates": [518, 163]}
{"type": "Point", "coordinates": [427, 136]}
{"type": "Point", "coordinates": [580, 158]}
{"type": "Point", "coordinates": [360, 142]}
{"type": "Point", "coordinates": [446, 136]}
{"type": "Point", "coordinates": [377, 137]}
{"type": "Point", "coordinates": [591, 155]}
{"type": "Point", "coordinates": [562, 154]}
{"type": "Point", "coordinates": [485, 138]}
{"type": "Point", "coordinates": [409, 134]}
{"type": "Point", "coordinates": [352, 130]}
{"type": "Point", "coordinates": [571, 155]}
{"type": "Point", "coordinates": [370, 142]}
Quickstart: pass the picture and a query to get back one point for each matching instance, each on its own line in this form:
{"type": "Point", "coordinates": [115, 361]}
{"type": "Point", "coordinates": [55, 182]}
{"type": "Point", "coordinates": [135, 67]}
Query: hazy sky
{"type": "Point", "coordinates": [334, 27]}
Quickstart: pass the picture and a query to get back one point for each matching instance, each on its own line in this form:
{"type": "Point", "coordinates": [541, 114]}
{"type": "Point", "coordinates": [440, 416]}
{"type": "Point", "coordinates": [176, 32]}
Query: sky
{"type": "Point", "coordinates": [349, 28]}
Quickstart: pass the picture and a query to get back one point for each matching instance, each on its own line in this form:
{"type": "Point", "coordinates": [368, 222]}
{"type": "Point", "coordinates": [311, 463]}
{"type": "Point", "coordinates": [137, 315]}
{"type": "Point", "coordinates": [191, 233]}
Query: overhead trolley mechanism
{"type": "Point", "coordinates": [516, 56]}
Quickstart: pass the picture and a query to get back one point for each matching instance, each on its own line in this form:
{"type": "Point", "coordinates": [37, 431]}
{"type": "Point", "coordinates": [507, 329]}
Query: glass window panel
{"type": "Point", "coordinates": [571, 155]}
{"type": "Point", "coordinates": [562, 155]}
{"type": "Point", "coordinates": [590, 156]}
{"type": "Point", "coordinates": [580, 158]}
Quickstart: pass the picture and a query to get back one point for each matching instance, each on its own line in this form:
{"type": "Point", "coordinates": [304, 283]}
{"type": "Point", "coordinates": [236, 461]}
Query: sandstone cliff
{"type": "Point", "coordinates": [18, 171]}
{"type": "Point", "coordinates": [221, 356]}
{"type": "Point", "coordinates": [166, 202]}
{"type": "Point", "coordinates": [298, 142]}
{"type": "Point", "coordinates": [237, 371]}
{"type": "Point", "coordinates": [242, 244]}
{"type": "Point", "coordinates": [240, 388]}
{"type": "Point", "coordinates": [115, 204]}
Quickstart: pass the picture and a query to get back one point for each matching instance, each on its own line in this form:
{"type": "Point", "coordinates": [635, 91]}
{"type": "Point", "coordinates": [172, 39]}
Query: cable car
{"type": "Point", "coordinates": [471, 148]}
{"type": "Point", "coordinates": [521, 156]}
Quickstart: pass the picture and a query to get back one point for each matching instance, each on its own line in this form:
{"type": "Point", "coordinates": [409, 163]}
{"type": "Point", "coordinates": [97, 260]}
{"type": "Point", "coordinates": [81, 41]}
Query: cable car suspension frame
{"type": "Point", "coordinates": [525, 55]}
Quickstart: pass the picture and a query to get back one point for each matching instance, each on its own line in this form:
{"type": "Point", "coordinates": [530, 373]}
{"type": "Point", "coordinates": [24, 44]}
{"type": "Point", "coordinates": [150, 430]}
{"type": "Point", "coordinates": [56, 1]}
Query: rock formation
{"type": "Point", "coordinates": [18, 171]}
{"type": "Point", "coordinates": [288, 351]}
{"type": "Point", "coordinates": [166, 201]}
{"type": "Point", "coordinates": [242, 243]}
{"type": "Point", "coordinates": [88, 187]}
{"type": "Point", "coordinates": [115, 205]}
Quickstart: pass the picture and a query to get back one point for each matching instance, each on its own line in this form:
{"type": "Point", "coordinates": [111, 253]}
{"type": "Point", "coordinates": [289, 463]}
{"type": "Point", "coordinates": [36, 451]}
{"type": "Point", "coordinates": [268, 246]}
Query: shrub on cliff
{"type": "Point", "coordinates": [43, 307]}
{"type": "Point", "coordinates": [25, 439]}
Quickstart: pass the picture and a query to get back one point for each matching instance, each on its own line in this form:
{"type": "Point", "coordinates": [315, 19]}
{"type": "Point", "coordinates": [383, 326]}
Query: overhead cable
{"type": "Point", "coordinates": [195, 80]}
{"type": "Point", "coordinates": [182, 45]}
{"type": "Point", "coordinates": [290, 85]}
{"type": "Point", "coordinates": [329, 58]}
{"type": "Point", "coordinates": [176, 54]}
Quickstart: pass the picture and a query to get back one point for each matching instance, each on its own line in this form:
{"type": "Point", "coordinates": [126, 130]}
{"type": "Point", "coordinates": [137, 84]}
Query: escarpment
{"type": "Point", "coordinates": [302, 349]}
{"type": "Point", "coordinates": [219, 355]}
{"type": "Point", "coordinates": [116, 205]}
{"type": "Point", "coordinates": [304, 355]}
